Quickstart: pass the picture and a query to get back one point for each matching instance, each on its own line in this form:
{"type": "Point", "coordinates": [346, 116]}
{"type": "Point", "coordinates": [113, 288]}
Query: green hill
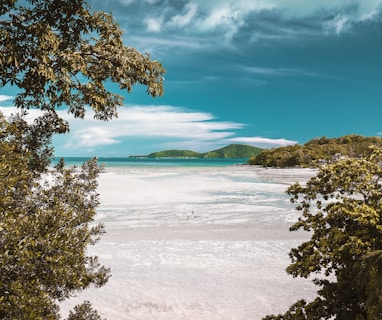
{"type": "Point", "coordinates": [316, 151]}
{"type": "Point", "coordinates": [175, 154]}
{"type": "Point", "coordinates": [231, 151]}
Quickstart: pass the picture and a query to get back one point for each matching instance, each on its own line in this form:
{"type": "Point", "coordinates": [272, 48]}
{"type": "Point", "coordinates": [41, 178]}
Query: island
{"type": "Point", "coordinates": [232, 151]}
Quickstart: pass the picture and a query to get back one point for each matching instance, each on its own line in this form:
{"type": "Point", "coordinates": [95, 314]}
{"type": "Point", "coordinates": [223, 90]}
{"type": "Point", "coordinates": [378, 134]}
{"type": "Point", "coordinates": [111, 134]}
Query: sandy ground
{"type": "Point", "coordinates": [285, 176]}
{"type": "Point", "coordinates": [196, 244]}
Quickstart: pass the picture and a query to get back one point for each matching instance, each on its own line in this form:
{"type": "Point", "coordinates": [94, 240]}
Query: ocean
{"type": "Point", "coordinates": [199, 239]}
{"type": "Point", "coordinates": [156, 162]}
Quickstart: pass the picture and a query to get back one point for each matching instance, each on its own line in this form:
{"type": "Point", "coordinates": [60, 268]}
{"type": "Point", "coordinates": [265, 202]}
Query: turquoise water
{"type": "Point", "coordinates": [152, 162]}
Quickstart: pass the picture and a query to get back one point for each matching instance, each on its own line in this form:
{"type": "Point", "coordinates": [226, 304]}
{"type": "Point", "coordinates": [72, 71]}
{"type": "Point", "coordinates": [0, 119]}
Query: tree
{"type": "Point", "coordinates": [61, 53]}
{"type": "Point", "coordinates": [84, 312]}
{"type": "Point", "coordinates": [341, 208]}
{"type": "Point", "coordinates": [57, 53]}
{"type": "Point", "coordinates": [316, 151]}
{"type": "Point", "coordinates": [44, 229]}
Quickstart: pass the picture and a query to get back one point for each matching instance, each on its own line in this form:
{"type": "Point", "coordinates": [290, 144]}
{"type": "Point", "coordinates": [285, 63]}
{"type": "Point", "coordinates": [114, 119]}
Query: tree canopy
{"type": "Point", "coordinates": [61, 53]}
{"type": "Point", "coordinates": [45, 227]}
{"type": "Point", "coordinates": [341, 208]}
{"type": "Point", "coordinates": [56, 53]}
{"type": "Point", "coordinates": [316, 151]}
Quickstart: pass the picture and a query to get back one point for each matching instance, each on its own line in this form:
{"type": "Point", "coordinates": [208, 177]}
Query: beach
{"type": "Point", "coordinates": [196, 243]}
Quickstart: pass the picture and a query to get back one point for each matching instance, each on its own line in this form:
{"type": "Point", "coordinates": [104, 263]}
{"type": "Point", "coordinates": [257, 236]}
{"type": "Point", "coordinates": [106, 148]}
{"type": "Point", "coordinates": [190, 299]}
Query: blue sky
{"type": "Point", "coordinates": [262, 72]}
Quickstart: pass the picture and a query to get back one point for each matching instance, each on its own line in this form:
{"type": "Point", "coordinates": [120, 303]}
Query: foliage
{"type": "Point", "coordinates": [316, 152]}
{"type": "Point", "coordinates": [341, 208]}
{"type": "Point", "coordinates": [84, 312]}
{"type": "Point", "coordinates": [61, 53]}
{"type": "Point", "coordinates": [174, 154]}
{"type": "Point", "coordinates": [231, 151]}
{"type": "Point", "coordinates": [45, 227]}
{"type": "Point", "coordinates": [56, 54]}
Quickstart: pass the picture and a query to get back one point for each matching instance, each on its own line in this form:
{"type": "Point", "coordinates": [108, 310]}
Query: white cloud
{"type": "Point", "coordinates": [218, 17]}
{"type": "Point", "coordinates": [333, 15]}
{"type": "Point", "coordinates": [154, 25]}
{"type": "Point", "coordinates": [280, 72]}
{"type": "Point", "coordinates": [163, 43]}
{"type": "Point", "coordinates": [201, 24]}
{"type": "Point", "coordinates": [236, 5]}
{"type": "Point", "coordinates": [182, 20]}
{"type": "Point", "coordinates": [94, 136]}
{"type": "Point", "coordinates": [270, 71]}
{"type": "Point", "coordinates": [355, 9]}
{"type": "Point", "coordinates": [31, 115]}
{"type": "Point", "coordinates": [339, 24]}
{"type": "Point", "coordinates": [126, 2]}
{"type": "Point", "coordinates": [263, 142]}
{"type": "Point", "coordinates": [159, 122]}
{"type": "Point", "coordinates": [225, 18]}
{"type": "Point", "coordinates": [5, 97]}
{"type": "Point", "coordinates": [170, 127]}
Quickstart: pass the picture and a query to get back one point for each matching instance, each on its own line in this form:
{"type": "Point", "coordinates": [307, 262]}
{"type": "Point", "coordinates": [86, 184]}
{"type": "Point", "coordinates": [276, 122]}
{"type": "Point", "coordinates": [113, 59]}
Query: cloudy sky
{"type": "Point", "coordinates": [260, 72]}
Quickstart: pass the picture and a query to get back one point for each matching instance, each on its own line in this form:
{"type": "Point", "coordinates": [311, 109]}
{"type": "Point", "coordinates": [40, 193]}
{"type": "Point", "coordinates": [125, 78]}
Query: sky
{"type": "Point", "coordinates": [266, 73]}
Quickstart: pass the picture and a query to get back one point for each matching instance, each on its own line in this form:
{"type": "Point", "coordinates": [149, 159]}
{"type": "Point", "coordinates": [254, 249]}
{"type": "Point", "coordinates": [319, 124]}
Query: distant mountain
{"type": "Point", "coordinates": [175, 154]}
{"type": "Point", "coordinates": [231, 151]}
{"type": "Point", "coordinates": [234, 151]}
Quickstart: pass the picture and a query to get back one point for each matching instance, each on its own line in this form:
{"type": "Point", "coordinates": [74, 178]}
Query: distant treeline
{"type": "Point", "coordinates": [231, 151]}
{"type": "Point", "coordinates": [316, 151]}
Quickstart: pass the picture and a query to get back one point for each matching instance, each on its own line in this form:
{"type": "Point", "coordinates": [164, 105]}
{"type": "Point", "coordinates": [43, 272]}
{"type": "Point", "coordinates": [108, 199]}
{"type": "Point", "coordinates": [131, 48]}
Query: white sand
{"type": "Point", "coordinates": [196, 243]}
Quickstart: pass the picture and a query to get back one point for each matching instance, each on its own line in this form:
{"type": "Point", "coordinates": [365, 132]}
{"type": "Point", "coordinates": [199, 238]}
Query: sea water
{"type": "Point", "coordinates": [156, 162]}
{"type": "Point", "coordinates": [195, 239]}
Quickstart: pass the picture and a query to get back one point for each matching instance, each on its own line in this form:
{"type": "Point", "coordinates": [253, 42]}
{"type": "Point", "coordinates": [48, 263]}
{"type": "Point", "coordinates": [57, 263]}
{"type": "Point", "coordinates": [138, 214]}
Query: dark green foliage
{"type": "Point", "coordinates": [61, 53]}
{"type": "Point", "coordinates": [231, 151]}
{"type": "Point", "coordinates": [174, 154]}
{"type": "Point", "coordinates": [55, 54]}
{"type": "Point", "coordinates": [316, 152]}
{"type": "Point", "coordinates": [46, 224]}
{"type": "Point", "coordinates": [84, 312]}
{"type": "Point", "coordinates": [341, 208]}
